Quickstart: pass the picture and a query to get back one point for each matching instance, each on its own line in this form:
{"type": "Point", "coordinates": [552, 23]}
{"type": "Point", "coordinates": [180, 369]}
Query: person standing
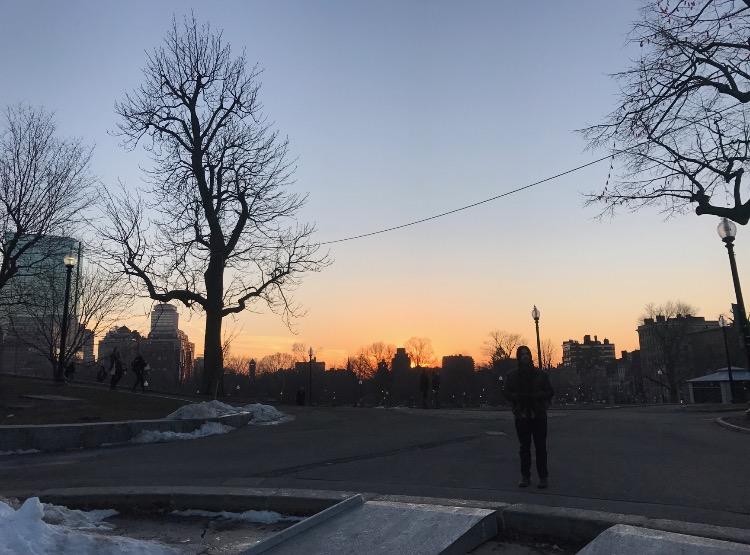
{"type": "Point", "coordinates": [529, 390]}
{"type": "Point", "coordinates": [436, 388]}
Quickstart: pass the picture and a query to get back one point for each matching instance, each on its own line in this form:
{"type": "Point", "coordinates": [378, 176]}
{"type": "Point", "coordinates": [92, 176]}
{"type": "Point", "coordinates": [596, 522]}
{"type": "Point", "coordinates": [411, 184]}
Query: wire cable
{"type": "Point", "coordinates": [472, 205]}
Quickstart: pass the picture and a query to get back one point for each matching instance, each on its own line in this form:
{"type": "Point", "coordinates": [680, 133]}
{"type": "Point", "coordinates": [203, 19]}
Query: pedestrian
{"type": "Point", "coordinates": [70, 371]}
{"type": "Point", "coordinates": [138, 366]}
{"type": "Point", "coordinates": [101, 374]}
{"type": "Point", "coordinates": [424, 387]}
{"type": "Point", "coordinates": [529, 390]}
{"type": "Point", "coordinates": [116, 369]}
{"type": "Point", "coordinates": [436, 389]}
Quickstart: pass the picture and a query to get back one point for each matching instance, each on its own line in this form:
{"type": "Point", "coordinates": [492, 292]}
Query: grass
{"type": "Point", "coordinates": [93, 403]}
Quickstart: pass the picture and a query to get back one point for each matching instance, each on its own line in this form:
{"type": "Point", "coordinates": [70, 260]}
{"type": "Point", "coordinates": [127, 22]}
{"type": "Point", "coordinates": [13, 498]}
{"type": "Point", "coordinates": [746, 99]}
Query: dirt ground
{"type": "Point", "coordinates": [36, 401]}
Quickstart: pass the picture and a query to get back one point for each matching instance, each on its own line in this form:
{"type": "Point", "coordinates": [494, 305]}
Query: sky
{"type": "Point", "coordinates": [396, 111]}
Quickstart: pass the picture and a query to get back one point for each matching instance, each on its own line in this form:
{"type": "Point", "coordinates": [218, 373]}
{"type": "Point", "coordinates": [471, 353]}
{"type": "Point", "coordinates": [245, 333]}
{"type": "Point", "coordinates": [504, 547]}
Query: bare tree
{"type": "Point", "coordinates": [98, 305]}
{"type": "Point", "coordinates": [501, 345]}
{"type": "Point", "coordinates": [549, 353]}
{"type": "Point", "coordinates": [668, 332]}
{"type": "Point", "coordinates": [44, 186]}
{"type": "Point", "coordinates": [365, 362]}
{"type": "Point", "coordinates": [299, 352]}
{"type": "Point", "coordinates": [219, 231]}
{"type": "Point", "coordinates": [681, 127]}
{"type": "Point", "coordinates": [420, 351]}
{"type": "Point", "coordinates": [275, 362]}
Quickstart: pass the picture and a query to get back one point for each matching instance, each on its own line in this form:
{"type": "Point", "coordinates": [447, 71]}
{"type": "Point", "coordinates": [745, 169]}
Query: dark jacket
{"type": "Point", "coordinates": [529, 391]}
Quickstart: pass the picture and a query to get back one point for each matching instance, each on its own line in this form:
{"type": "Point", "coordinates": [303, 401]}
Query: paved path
{"type": "Point", "coordinates": [656, 461]}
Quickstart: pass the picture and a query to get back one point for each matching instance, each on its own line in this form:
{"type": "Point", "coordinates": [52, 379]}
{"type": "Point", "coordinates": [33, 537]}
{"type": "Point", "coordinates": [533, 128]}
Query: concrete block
{"type": "Point", "coordinates": [383, 527]}
{"type": "Point", "coordinates": [626, 540]}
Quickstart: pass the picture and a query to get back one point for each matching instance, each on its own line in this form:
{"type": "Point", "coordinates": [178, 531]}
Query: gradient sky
{"type": "Point", "coordinates": [398, 110]}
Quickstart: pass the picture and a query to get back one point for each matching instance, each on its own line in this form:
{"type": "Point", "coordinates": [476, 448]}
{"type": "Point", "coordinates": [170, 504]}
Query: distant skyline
{"type": "Point", "coordinates": [397, 111]}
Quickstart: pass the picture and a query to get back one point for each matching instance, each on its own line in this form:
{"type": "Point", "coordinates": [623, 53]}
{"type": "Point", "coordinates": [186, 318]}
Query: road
{"type": "Point", "coordinates": [656, 461]}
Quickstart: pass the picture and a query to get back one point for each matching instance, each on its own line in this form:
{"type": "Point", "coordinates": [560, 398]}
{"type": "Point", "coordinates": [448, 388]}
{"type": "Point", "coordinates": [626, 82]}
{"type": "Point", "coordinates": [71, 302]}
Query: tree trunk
{"type": "Point", "coordinates": [213, 356]}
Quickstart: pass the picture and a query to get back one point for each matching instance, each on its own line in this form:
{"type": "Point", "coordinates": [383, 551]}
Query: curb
{"type": "Point", "coordinates": [62, 437]}
{"type": "Point", "coordinates": [563, 525]}
{"type": "Point", "coordinates": [734, 427]}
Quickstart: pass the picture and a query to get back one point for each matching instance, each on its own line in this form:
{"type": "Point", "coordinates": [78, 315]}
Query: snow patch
{"type": "Point", "coordinates": [24, 531]}
{"type": "Point", "coordinates": [262, 414]}
{"type": "Point", "coordinates": [156, 436]}
{"type": "Point", "coordinates": [78, 520]}
{"type": "Point", "coordinates": [260, 517]}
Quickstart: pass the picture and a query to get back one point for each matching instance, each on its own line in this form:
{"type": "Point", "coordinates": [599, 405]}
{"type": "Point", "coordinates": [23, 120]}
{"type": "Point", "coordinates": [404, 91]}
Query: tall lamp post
{"type": "Point", "coordinates": [309, 379]}
{"type": "Point", "coordinates": [70, 261]}
{"type": "Point", "coordinates": [728, 231]}
{"type": "Point", "coordinates": [535, 314]}
{"type": "Point", "coordinates": [723, 323]}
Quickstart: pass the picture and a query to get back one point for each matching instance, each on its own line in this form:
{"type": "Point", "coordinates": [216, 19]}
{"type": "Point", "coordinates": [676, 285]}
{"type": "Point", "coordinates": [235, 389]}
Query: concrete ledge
{"type": "Point", "coordinates": [60, 437]}
{"type": "Point", "coordinates": [169, 498]}
{"type": "Point", "coordinates": [733, 427]}
{"type": "Point", "coordinates": [581, 526]}
{"type": "Point", "coordinates": [563, 525]}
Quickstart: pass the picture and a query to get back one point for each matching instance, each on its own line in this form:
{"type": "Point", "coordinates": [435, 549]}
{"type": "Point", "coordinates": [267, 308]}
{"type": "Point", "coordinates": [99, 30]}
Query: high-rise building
{"type": "Point", "coordinates": [35, 298]}
{"type": "Point", "coordinates": [594, 362]}
{"type": "Point", "coordinates": [164, 321]}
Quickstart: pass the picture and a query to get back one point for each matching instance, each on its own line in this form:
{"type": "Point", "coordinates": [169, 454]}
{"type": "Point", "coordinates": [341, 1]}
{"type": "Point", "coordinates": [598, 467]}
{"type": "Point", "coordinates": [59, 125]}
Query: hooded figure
{"type": "Point", "coordinates": [530, 392]}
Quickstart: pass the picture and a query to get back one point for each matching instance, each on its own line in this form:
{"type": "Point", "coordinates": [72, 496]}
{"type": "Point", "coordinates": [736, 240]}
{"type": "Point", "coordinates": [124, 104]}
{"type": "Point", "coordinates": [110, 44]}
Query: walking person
{"type": "Point", "coordinates": [116, 369]}
{"type": "Point", "coordinates": [436, 389]}
{"type": "Point", "coordinates": [138, 367]}
{"type": "Point", "coordinates": [530, 392]}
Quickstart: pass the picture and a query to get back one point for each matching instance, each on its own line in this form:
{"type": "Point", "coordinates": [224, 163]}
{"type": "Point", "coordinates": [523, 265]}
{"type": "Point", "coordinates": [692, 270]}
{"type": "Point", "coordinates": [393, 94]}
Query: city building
{"type": "Point", "coordinates": [33, 303]}
{"type": "Point", "coordinates": [594, 363]}
{"type": "Point", "coordinates": [164, 321]}
{"type": "Point", "coordinates": [126, 341]}
{"type": "Point", "coordinates": [687, 347]}
{"type": "Point", "coordinates": [457, 383]}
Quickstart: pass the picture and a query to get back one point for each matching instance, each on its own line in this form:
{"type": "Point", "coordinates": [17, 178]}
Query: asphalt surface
{"type": "Point", "coordinates": [660, 462]}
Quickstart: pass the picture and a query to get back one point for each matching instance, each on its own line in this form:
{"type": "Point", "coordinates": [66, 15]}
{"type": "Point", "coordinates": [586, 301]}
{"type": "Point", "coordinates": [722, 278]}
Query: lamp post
{"type": "Point", "coordinates": [70, 261]}
{"type": "Point", "coordinates": [723, 324]}
{"type": "Point", "coordinates": [728, 231]}
{"type": "Point", "coordinates": [309, 379]}
{"type": "Point", "coordinates": [535, 314]}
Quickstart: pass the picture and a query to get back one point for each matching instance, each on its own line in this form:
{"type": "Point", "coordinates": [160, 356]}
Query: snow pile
{"type": "Point", "coordinates": [24, 531]}
{"type": "Point", "coordinates": [206, 409]}
{"type": "Point", "coordinates": [262, 414]}
{"type": "Point", "coordinates": [259, 517]}
{"type": "Point", "coordinates": [78, 520]}
{"type": "Point", "coordinates": [156, 436]}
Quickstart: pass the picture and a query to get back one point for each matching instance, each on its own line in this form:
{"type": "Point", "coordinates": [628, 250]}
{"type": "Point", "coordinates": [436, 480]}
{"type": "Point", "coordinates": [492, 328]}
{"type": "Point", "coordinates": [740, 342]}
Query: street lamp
{"type": "Point", "coordinates": [723, 324]}
{"type": "Point", "coordinates": [70, 261]}
{"type": "Point", "coordinates": [309, 379]}
{"type": "Point", "coordinates": [535, 314]}
{"type": "Point", "coordinates": [728, 231]}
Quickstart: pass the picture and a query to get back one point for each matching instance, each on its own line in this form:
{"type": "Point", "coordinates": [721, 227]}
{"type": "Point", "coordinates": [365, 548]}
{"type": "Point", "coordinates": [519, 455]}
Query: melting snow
{"type": "Point", "coordinates": [156, 436]}
{"type": "Point", "coordinates": [261, 517]}
{"type": "Point", "coordinates": [24, 531]}
{"type": "Point", "coordinates": [262, 414]}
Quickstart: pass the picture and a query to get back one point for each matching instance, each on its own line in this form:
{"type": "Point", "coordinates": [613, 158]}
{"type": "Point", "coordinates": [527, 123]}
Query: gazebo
{"type": "Point", "coordinates": [714, 388]}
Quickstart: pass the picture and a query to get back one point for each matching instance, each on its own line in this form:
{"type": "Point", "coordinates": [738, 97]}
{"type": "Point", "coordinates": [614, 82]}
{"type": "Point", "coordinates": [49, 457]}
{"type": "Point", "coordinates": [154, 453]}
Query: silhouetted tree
{"type": "Point", "coordinates": [45, 185]}
{"type": "Point", "coordinates": [420, 351]}
{"type": "Point", "coordinates": [501, 345]}
{"type": "Point", "coordinates": [219, 231]}
{"type": "Point", "coordinates": [680, 127]}
{"type": "Point", "coordinates": [549, 353]}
